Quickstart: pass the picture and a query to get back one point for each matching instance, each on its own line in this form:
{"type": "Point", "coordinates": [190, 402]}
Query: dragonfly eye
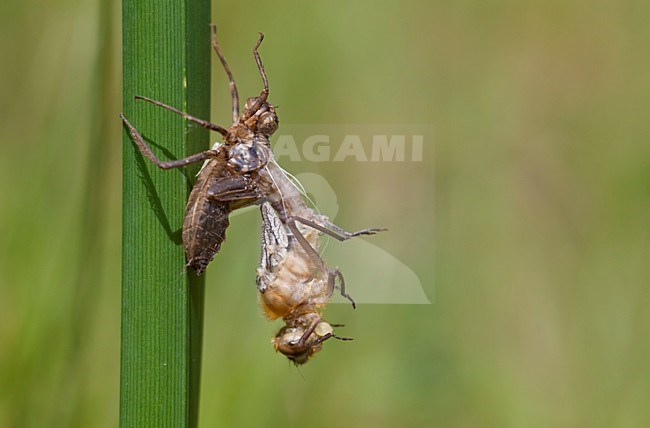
{"type": "Point", "coordinates": [268, 121]}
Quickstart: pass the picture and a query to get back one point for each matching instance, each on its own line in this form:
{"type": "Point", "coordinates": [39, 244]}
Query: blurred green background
{"type": "Point", "coordinates": [540, 172]}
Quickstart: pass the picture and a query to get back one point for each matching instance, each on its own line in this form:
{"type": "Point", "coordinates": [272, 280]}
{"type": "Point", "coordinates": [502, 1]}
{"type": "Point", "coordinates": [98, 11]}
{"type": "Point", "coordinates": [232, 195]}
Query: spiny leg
{"type": "Point", "coordinates": [201, 122]}
{"type": "Point", "coordinates": [233, 87]}
{"type": "Point", "coordinates": [327, 336]}
{"type": "Point", "coordinates": [265, 92]}
{"type": "Point", "coordinates": [144, 148]}
{"type": "Point", "coordinates": [332, 275]}
{"type": "Point", "coordinates": [341, 337]}
{"type": "Point", "coordinates": [333, 230]}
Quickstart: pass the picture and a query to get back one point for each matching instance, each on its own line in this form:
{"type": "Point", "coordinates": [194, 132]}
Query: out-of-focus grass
{"type": "Point", "coordinates": [541, 171]}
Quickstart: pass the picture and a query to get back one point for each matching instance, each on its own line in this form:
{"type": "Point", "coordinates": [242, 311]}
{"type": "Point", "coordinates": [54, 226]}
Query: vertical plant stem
{"type": "Point", "coordinates": [166, 57]}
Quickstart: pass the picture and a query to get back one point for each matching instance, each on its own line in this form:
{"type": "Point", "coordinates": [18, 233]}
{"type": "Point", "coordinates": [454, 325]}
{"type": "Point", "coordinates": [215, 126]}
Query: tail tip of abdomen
{"type": "Point", "coordinates": [198, 264]}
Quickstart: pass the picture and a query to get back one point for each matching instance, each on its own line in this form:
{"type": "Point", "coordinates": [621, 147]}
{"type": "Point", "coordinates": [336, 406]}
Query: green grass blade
{"type": "Point", "coordinates": [166, 57]}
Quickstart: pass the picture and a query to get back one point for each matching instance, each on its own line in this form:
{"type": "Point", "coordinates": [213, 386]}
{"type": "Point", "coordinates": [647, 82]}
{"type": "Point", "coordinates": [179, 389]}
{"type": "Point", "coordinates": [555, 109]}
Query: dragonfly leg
{"type": "Point", "coordinates": [204, 123]}
{"type": "Point", "coordinates": [309, 331]}
{"type": "Point", "coordinates": [259, 101]}
{"type": "Point", "coordinates": [333, 274]}
{"type": "Point", "coordinates": [333, 230]}
{"type": "Point", "coordinates": [146, 151]}
{"type": "Point", "coordinates": [233, 87]}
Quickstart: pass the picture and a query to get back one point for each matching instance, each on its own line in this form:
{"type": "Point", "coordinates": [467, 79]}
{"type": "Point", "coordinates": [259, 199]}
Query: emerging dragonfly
{"type": "Point", "coordinates": [293, 280]}
{"type": "Point", "coordinates": [294, 285]}
{"type": "Point", "coordinates": [224, 182]}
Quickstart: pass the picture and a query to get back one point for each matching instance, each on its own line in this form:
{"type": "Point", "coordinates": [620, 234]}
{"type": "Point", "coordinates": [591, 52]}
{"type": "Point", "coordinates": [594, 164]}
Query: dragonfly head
{"type": "Point", "coordinates": [264, 121]}
{"type": "Point", "coordinates": [298, 343]}
{"type": "Point", "coordinates": [288, 342]}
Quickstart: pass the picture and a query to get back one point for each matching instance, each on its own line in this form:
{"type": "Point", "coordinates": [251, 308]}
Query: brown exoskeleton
{"type": "Point", "coordinates": [224, 182]}
{"type": "Point", "coordinates": [294, 285]}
